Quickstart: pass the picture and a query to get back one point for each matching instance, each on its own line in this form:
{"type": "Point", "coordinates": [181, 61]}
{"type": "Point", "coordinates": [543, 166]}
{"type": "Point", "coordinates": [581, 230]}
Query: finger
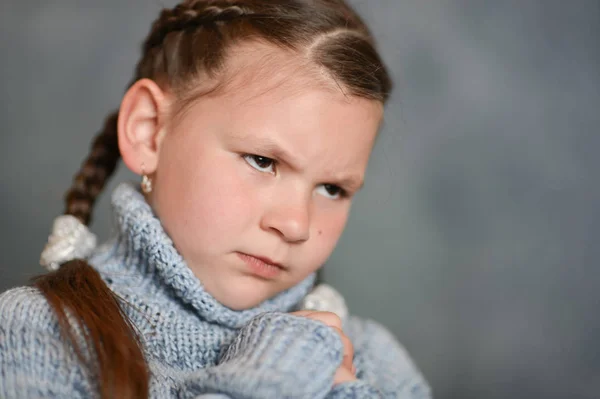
{"type": "Point", "coordinates": [303, 313]}
{"type": "Point", "coordinates": [328, 318]}
{"type": "Point", "coordinates": [343, 375]}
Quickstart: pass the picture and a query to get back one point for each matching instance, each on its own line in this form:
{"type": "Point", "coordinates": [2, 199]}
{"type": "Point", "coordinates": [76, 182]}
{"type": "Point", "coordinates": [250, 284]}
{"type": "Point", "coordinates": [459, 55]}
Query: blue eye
{"type": "Point", "coordinates": [331, 191]}
{"type": "Point", "coordinates": [262, 164]}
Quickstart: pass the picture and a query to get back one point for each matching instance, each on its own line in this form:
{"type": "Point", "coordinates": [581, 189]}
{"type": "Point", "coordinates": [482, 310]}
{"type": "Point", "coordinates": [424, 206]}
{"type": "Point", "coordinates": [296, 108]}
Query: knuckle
{"type": "Point", "coordinates": [329, 318]}
{"type": "Point", "coordinates": [332, 319]}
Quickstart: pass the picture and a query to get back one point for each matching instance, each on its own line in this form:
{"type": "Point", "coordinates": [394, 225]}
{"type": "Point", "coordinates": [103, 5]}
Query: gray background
{"type": "Point", "coordinates": [475, 237]}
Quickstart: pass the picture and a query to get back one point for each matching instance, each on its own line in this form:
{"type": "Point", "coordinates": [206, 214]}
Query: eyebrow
{"type": "Point", "coordinates": [352, 183]}
{"type": "Point", "coordinates": [275, 150]}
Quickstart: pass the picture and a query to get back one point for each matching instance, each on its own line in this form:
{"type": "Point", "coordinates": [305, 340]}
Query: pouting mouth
{"type": "Point", "coordinates": [266, 260]}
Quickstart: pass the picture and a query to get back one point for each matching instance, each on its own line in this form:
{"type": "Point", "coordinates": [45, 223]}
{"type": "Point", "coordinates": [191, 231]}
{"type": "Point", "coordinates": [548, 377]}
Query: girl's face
{"type": "Point", "coordinates": [256, 177]}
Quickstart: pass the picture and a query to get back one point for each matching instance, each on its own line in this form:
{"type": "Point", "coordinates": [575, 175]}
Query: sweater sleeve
{"type": "Point", "coordinates": [276, 355]}
{"type": "Point", "coordinates": [384, 368]}
{"type": "Point", "coordinates": [34, 362]}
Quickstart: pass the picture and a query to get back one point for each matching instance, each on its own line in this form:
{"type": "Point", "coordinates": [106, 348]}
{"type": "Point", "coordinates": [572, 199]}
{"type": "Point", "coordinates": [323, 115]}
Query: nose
{"type": "Point", "coordinates": [291, 220]}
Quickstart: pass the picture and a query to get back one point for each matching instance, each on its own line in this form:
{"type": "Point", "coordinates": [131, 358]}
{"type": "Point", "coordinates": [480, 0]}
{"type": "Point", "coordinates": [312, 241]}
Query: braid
{"type": "Point", "coordinates": [95, 171]}
{"type": "Point", "coordinates": [190, 16]}
{"type": "Point", "coordinates": [78, 289]}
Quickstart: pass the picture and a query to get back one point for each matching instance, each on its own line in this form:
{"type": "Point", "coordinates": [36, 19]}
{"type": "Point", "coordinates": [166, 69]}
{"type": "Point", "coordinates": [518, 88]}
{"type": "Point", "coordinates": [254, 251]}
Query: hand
{"type": "Point", "coordinates": [346, 372]}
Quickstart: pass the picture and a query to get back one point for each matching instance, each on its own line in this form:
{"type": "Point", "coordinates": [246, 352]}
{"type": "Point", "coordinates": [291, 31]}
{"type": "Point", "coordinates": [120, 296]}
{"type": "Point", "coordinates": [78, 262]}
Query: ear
{"type": "Point", "coordinates": [140, 126]}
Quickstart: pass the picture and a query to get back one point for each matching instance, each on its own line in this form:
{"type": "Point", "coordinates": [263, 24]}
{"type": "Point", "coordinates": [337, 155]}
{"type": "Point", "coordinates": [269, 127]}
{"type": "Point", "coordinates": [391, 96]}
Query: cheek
{"type": "Point", "coordinates": [203, 200]}
{"type": "Point", "coordinates": [218, 206]}
{"type": "Point", "coordinates": [328, 229]}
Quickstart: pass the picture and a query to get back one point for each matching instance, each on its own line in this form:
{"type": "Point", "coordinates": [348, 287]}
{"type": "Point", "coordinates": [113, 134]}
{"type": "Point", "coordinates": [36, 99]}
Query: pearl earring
{"type": "Point", "coordinates": [146, 182]}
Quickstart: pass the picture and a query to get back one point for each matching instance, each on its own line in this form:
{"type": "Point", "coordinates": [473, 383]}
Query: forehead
{"type": "Point", "coordinates": [270, 92]}
{"type": "Point", "coordinates": [259, 75]}
{"type": "Point", "coordinates": [255, 68]}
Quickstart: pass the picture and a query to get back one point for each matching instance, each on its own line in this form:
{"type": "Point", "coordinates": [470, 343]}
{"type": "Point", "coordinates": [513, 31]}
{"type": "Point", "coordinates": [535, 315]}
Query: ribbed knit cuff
{"type": "Point", "coordinates": [276, 355]}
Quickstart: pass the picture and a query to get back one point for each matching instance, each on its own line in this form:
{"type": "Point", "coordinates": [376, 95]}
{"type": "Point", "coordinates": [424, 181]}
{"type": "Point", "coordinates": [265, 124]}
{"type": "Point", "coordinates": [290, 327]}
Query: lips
{"type": "Point", "coordinates": [267, 261]}
{"type": "Point", "coordinates": [261, 265]}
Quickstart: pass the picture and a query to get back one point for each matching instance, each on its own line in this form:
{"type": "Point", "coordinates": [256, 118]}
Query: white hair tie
{"type": "Point", "coordinates": [70, 239]}
{"type": "Point", "coordinates": [325, 298]}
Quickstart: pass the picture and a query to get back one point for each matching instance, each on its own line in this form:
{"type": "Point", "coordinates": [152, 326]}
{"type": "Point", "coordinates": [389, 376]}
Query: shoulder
{"type": "Point", "coordinates": [367, 334]}
{"type": "Point", "coordinates": [26, 307]}
{"type": "Point", "coordinates": [361, 328]}
{"type": "Point", "coordinates": [383, 361]}
{"type": "Point", "coordinates": [34, 360]}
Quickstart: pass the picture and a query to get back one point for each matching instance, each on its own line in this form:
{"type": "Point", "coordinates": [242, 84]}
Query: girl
{"type": "Point", "coordinates": [251, 123]}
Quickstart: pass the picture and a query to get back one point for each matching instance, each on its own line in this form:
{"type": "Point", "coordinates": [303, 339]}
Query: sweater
{"type": "Point", "coordinates": [195, 346]}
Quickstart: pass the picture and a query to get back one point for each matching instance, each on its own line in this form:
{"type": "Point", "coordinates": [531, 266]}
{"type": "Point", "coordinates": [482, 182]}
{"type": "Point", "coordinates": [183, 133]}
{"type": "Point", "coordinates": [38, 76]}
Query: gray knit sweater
{"type": "Point", "coordinates": [195, 346]}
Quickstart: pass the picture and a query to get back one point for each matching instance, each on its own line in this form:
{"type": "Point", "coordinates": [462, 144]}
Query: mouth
{"type": "Point", "coordinates": [261, 265]}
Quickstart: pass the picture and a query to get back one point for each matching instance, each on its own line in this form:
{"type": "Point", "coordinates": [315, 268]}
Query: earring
{"type": "Point", "coordinates": [146, 182]}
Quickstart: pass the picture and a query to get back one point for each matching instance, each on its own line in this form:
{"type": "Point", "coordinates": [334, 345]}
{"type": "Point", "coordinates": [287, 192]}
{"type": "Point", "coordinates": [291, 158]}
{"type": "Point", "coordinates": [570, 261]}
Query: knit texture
{"type": "Point", "coordinates": [195, 346]}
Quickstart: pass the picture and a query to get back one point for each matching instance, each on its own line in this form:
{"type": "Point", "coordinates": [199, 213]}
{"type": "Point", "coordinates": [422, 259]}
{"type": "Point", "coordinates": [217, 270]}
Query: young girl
{"type": "Point", "coordinates": [251, 123]}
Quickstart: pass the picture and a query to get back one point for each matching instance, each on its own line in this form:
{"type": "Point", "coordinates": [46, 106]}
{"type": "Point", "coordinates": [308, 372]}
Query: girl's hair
{"type": "Point", "coordinates": [186, 45]}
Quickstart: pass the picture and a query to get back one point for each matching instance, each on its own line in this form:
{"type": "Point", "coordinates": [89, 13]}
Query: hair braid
{"type": "Point", "coordinates": [174, 33]}
{"type": "Point", "coordinates": [79, 289]}
{"type": "Point", "coordinates": [190, 16]}
{"type": "Point", "coordinates": [95, 171]}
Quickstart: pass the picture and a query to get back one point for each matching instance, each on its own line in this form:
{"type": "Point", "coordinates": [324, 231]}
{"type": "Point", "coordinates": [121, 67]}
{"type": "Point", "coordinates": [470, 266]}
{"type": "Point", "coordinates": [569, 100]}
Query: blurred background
{"type": "Point", "coordinates": [474, 238]}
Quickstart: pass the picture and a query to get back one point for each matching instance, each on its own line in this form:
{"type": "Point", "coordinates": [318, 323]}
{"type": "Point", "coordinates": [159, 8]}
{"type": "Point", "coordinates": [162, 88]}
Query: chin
{"type": "Point", "coordinates": [244, 303]}
{"type": "Point", "coordinates": [246, 295]}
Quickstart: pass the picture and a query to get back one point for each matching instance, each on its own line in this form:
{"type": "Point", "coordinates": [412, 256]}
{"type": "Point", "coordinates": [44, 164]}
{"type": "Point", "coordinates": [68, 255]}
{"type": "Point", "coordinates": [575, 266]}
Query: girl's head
{"type": "Point", "coordinates": [255, 120]}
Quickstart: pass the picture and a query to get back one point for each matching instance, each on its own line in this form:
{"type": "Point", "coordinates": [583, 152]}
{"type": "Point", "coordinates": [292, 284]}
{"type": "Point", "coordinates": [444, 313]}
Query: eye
{"type": "Point", "coordinates": [331, 191]}
{"type": "Point", "coordinates": [262, 164]}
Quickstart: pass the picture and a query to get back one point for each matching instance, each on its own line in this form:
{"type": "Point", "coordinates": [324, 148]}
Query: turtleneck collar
{"type": "Point", "coordinates": [145, 250]}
